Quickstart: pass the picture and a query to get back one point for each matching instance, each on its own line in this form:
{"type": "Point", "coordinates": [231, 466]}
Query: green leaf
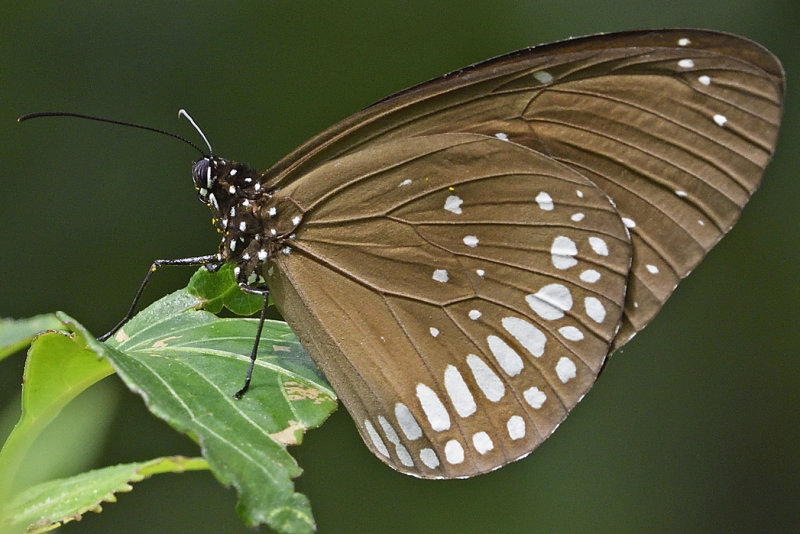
{"type": "Point", "coordinates": [58, 368]}
{"type": "Point", "coordinates": [16, 334]}
{"type": "Point", "coordinates": [53, 503]}
{"type": "Point", "coordinates": [219, 289]}
{"type": "Point", "coordinates": [187, 364]}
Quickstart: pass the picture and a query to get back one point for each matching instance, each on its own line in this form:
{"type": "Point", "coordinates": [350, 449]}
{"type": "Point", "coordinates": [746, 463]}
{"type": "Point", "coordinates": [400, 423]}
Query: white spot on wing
{"type": "Point", "coordinates": [686, 63]}
{"type": "Point", "coordinates": [571, 333]}
{"type": "Point", "coordinates": [577, 217]}
{"type": "Point", "coordinates": [599, 246]}
{"type": "Point", "coordinates": [683, 41]}
{"type": "Point", "coordinates": [407, 421]}
{"type": "Point", "coordinates": [565, 369]}
{"type": "Point", "coordinates": [480, 272]}
{"type": "Point", "coordinates": [471, 241]}
{"type": "Point", "coordinates": [434, 331]}
{"type": "Point", "coordinates": [490, 384]}
{"type": "Point", "coordinates": [454, 452]}
{"type": "Point", "coordinates": [720, 119]}
{"type": "Point", "coordinates": [506, 357]}
{"type": "Point", "coordinates": [543, 76]}
{"type": "Point", "coordinates": [652, 268]}
{"type": "Point", "coordinates": [376, 438]}
{"type": "Point", "coordinates": [482, 442]}
{"type": "Point", "coordinates": [551, 301]}
{"type": "Point", "coordinates": [475, 315]}
{"type": "Point", "coordinates": [434, 409]}
{"type": "Point", "coordinates": [629, 223]}
{"type": "Point", "coordinates": [705, 80]}
{"type": "Point", "coordinates": [594, 309]}
{"type": "Point", "coordinates": [501, 136]}
{"type": "Point", "coordinates": [545, 201]}
{"type": "Point", "coordinates": [528, 335]}
{"type": "Point", "coordinates": [391, 435]}
{"type": "Point", "coordinates": [453, 204]}
{"type": "Point", "coordinates": [563, 251]}
{"type": "Point", "coordinates": [429, 458]}
{"type": "Point", "coordinates": [516, 427]}
{"type": "Point", "coordinates": [590, 276]}
{"type": "Point", "coordinates": [440, 275]}
{"type": "Point", "coordinates": [681, 194]}
{"type": "Point", "coordinates": [405, 182]}
{"type": "Point", "coordinates": [535, 397]}
{"type": "Point", "coordinates": [458, 391]}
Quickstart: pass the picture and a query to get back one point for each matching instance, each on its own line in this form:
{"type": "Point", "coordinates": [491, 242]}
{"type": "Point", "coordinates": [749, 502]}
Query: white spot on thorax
{"type": "Point", "coordinates": [453, 204]}
{"type": "Point", "coordinates": [262, 254]}
{"type": "Point", "coordinates": [551, 301]}
{"type": "Point", "coordinates": [490, 384]}
{"type": "Point", "coordinates": [545, 201]}
{"type": "Point", "coordinates": [458, 392]}
{"type": "Point", "coordinates": [506, 357]}
{"type": "Point", "coordinates": [528, 335]}
{"type": "Point", "coordinates": [565, 369]}
{"type": "Point", "coordinates": [471, 241]}
{"type": "Point", "coordinates": [242, 226]}
{"type": "Point", "coordinates": [440, 275]}
{"type": "Point", "coordinates": [234, 172]}
{"type": "Point", "coordinates": [232, 189]}
{"type": "Point", "coordinates": [434, 409]}
{"type": "Point", "coordinates": [272, 211]}
{"type": "Point", "coordinates": [516, 427]}
{"type": "Point", "coordinates": [454, 452]}
{"type": "Point", "coordinates": [535, 397]}
{"type": "Point", "coordinates": [686, 63]}
{"type": "Point", "coordinates": [482, 442]}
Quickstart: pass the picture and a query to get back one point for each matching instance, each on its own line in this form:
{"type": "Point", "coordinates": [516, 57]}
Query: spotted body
{"type": "Point", "coordinates": [460, 258]}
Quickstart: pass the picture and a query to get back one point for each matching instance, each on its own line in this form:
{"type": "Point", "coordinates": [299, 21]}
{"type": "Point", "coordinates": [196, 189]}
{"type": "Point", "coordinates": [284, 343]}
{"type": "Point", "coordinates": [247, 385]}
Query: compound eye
{"type": "Point", "coordinates": [202, 174]}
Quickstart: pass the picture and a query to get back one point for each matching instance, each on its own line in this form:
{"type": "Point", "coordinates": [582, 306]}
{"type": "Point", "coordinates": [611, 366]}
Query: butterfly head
{"type": "Point", "coordinates": [255, 222]}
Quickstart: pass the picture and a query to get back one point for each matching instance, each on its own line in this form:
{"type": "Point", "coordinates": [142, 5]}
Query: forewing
{"type": "Point", "coordinates": [674, 126]}
{"type": "Point", "coordinates": [459, 292]}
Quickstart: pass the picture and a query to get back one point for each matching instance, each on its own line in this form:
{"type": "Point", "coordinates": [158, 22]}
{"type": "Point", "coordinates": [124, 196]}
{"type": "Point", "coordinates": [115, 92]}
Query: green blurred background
{"type": "Point", "coordinates": [694, 427]}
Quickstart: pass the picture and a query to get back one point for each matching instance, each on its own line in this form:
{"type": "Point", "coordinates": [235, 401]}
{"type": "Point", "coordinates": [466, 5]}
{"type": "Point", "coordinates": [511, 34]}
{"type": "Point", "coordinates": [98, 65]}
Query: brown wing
{"type": "Point", "coordinates": [675, 126]}
{"type": "Point", "coordinates": [460, 293]}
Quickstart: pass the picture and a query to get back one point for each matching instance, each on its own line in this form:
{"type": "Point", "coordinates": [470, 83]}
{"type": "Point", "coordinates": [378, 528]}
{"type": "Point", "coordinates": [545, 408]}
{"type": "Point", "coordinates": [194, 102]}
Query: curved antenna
{"type": "Point", "coordinates": [184, 113]}
{"type": "Point", "coordinates": [112, 121]}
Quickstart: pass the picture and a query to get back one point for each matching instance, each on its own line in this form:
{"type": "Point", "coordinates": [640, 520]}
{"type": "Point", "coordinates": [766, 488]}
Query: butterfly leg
{"type": "Point", "coordinates": [254, 353]}
{"type": "Point", "coordinates": [211, 262]}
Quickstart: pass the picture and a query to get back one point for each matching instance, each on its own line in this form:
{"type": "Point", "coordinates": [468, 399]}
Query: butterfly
{"type": "Point", "coordinates": [461, 258]}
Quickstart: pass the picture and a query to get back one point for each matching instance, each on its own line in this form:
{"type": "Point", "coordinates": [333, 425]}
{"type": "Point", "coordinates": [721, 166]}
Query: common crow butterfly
{"type": "Point", "coordinates": [461, 258]}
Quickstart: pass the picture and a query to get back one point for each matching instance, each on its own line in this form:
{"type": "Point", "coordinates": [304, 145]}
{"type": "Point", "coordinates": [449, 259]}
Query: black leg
{"type": "Point", "coordinates": [196, 260]}
{"type": "Point", "coordinates": [254, 354]}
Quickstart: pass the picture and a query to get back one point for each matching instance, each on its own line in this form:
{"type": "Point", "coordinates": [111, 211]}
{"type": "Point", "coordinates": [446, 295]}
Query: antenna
{"type": "Point", "coordinates": [120, 123]}
{"type": "Point", "coordinates": [184, 113]}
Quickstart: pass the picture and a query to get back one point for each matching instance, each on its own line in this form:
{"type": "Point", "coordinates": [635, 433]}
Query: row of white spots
{"type": "Point", "coordinates": [719, 119]}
